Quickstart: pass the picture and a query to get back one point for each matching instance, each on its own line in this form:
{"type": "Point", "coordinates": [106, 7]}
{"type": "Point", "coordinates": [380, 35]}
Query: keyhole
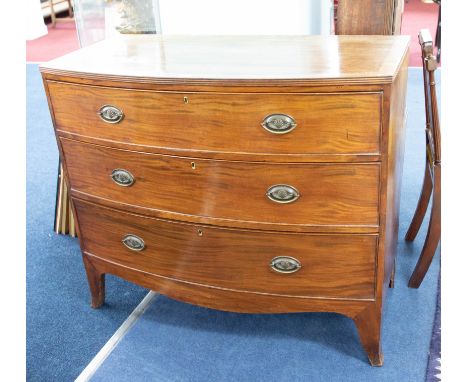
{"type": "Point", "coordinates": [193, 165]}
{"type": "Point", "coordinates": [200, 232]}
{"type": "Point", "coordinates": [185, 99]}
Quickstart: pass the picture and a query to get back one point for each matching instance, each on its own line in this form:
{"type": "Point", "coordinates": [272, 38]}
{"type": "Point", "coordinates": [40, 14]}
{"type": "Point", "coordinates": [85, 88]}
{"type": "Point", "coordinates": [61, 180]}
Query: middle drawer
{"type": "Point", "coordinates": [263, 193]}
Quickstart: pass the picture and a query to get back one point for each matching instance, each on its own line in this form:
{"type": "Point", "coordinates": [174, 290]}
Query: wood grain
{"type": "Point", "coordinates": [433, 175]}
{"type": "Point", "coordinates": [237, 60]}
{"type": "Point", "coordinates": [335, 266]}
{"type": "Point", "coordinates": [209, 229]}
{"type": "Point", "coordinates": [433, 233]}
{"type": "Point", "coordinates": [394, 169]}
{"type": "Point", "coordinates": [369, 17]}
{"type": "Point", "coordinates": [225, 299]}
{"type": "Point", "coordinates": [338, 123]}
{"type": "Point", "coordinates": [330, 194]}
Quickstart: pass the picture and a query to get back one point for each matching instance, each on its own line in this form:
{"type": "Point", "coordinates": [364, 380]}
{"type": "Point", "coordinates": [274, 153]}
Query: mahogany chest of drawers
{"type": "Point", "coordinates": [248, 174]}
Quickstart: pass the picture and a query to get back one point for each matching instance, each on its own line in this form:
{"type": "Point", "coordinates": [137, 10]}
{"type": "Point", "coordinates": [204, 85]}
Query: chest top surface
{"type": "Point", "coordinates": [276, 59]}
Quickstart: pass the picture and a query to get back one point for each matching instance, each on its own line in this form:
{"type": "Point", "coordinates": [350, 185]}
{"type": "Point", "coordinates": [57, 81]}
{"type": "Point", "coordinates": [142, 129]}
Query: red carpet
{"type": "Point", "coordinates": [63, 38]}
{"type": "Point", "coordinates": [418, 15]}
{"type": "Point", "coordinates": [60, 40]}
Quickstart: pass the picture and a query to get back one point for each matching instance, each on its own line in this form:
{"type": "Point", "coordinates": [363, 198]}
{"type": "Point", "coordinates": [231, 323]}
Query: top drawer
{"type": "Point", "coordinates": [333, 124]}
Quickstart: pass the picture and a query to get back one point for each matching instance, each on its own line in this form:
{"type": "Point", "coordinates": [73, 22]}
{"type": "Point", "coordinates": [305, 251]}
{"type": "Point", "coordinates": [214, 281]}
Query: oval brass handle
{"type": "Point", "coordinates": [285, 264]}
{"type": "Point", "coordinates": [110, 114]}
{"type": "Point", "coordinates": [133, 242]}
{"type": "Point", "coordinates": [282, 193]}
{"type": "Point", "coordinates": [122, 177]}
{"type": "Point", "coordinates": [279, 123]}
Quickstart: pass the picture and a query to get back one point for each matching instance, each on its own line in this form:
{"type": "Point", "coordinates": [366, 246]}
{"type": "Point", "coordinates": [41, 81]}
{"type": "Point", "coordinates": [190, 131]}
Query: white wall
{"type": "Point", "coordinates": [35, 26]}
{"type": "Point", "coordinates": [267, 17]}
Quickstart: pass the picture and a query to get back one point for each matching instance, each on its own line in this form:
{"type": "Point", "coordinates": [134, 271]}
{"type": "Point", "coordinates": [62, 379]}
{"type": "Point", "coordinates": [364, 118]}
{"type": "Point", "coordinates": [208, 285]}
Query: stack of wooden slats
{"type": "Point", "coordinates": [64, 220]}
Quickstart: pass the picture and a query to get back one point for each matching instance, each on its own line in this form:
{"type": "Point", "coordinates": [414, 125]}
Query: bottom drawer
{"type": "Point", "coordinates": [280, 263]}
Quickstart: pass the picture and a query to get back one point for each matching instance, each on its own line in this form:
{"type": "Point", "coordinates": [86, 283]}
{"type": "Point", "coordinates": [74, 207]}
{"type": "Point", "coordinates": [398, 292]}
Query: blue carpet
{"type": "Point", "coordinates": [433, 373]}
{"type": "Point", "coordinates": [63, 332]}
{"type": "Point", "coordinates": [173, 341]}
{"type": "Point", "coordinates": [178, 342]}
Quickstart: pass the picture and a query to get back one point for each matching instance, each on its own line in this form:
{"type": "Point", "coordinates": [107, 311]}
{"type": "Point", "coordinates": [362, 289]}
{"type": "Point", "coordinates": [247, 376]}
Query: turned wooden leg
{"type": "Point", "coordinates": [432, 237]}
{"type": "Point", "coordinates": [96, 281]}
{"type": "Point", "coordinates": [391, 283]}
{"type": "Point", "coordinates": [368, 325]}
{"type": "Point", "coordinates": [421, 208]}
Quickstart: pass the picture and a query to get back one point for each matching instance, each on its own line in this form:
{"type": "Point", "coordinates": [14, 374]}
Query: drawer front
{"type": "Point", "coordinates": [328, 194]}
{"type": "Point", "coordinates": [335, 266]}
{"type": "Point", "coordinates": [345, 123]}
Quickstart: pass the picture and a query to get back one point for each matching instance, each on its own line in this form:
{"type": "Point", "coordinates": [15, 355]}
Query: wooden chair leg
{"type": "Point", "coordinates": [96, 281]}
{"type": "Point", "coordinates": [368, 324]}
{"type": "Point", "coordinates": [432, 237]}
{"type": "Point", "coordinates": [421, 208]}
